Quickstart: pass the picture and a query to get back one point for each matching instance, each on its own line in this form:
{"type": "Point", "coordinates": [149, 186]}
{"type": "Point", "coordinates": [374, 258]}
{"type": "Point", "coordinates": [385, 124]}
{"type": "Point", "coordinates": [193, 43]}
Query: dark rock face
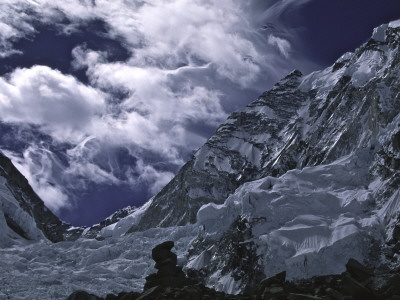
{"type": "Point", "coordinates": [202, 173]}
{"type": "Point", "coordinates": [235, 253]}
{"type": "Point", "coordinates": [276, 279]}
{"type": "Point", "coordinates": [30, 202]}
{"type": "Point", "coordinates": [168, 274]}
{"type": "Point", "coordinates": [82, 295]}
{"type": "Point", "coordinates": [358, 270]}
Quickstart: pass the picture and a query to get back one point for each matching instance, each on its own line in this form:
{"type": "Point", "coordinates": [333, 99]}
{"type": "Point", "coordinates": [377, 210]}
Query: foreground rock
{"type": "Point", "coordinates": [333, 287]}
{"type": "Point", "coordinates": [169, 274]}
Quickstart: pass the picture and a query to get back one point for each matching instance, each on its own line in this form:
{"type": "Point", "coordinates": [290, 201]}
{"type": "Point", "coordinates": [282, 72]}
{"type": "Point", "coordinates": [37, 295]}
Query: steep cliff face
{"type": "Point", "coordinates": [301, 121]}
{"type": "Point", "coordinates": [23, 215]}
{"type": "Point", "coordinates": [237, 153]}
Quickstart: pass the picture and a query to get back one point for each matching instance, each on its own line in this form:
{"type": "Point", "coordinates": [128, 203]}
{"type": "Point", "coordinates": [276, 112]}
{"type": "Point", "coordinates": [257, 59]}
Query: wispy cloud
{"type": "Point", "coordinates": [281, 44]}
{"type": "Point", "coordinates": [191, 63]}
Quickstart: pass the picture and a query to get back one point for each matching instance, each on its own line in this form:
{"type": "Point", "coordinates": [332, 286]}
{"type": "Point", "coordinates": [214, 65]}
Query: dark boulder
{"type": "Point", "coordinates": [168, 274]}
{"type": "Point", "coordinates": [358, 270]}
{"type": "Point", "coordinates": [278, 278]}
{"type": "Point", "coordinates": [82, 295]}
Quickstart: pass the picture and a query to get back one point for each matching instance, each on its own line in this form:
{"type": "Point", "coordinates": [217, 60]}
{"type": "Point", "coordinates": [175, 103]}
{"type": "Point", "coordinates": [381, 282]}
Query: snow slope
{"type": "Point", "coordinates": [11, 231]}
{"type": "Point", "coordinates": [23, 215]}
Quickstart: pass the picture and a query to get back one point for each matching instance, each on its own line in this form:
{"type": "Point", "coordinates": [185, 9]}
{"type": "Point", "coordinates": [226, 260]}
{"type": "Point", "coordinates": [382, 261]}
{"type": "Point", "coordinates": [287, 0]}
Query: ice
{"type": "Point", "coordinates": [379, 33]}
{"type": "Point", "coordinates": [200, 261]}
{"type": "Point", "coordinates": [394, 24]}
{"type": "Point", "coordinates": [365, 68]}
{"type": "Point", "coordinates": [9, 207]}
{"type": "Point", "coordinates": [310, 217]}
{"type": "Point", "coordinates": [323, 81]}
{"type": "Point", "coordinates": [246, 149]}
{"type": "Point", "coordinates": [123, 225]}
{"type": "Point", "coordinates": [44, 270]}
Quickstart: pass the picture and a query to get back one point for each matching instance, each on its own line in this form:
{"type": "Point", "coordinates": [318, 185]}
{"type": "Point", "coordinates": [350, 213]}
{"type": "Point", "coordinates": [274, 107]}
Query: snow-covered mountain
{"type": "Point", "coordinates": [301, 121]}
{"type": "Point", "coordinates": [311, 168]}
{"type": "Point", "coordinates": [23, 215]}
{"type": "Point", "coordinates": [302, 179]}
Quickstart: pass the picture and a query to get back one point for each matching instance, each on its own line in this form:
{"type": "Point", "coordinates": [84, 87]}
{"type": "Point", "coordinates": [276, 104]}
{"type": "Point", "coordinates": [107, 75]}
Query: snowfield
{"type": "Point", "coordinates": [43, 270]}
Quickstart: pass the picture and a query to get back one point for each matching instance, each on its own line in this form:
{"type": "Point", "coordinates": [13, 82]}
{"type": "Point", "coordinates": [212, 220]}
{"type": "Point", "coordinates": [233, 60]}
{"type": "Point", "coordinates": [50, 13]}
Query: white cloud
{"type": "Point", "coordinates": [282, 45]}
{"type": "Point", "coordinates": [37, 166]}
{"type": "Point", "coordinates": [152, 177]}
{"type": "Point", "coordinates": [58, 103]}
{"type": "Point", "coordinates": [191, 62]}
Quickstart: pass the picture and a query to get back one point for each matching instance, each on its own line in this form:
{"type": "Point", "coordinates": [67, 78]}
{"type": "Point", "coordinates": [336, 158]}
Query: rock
{"type": "Point", "coordinates": [358, 270]}
{"type": "Point", "coordinates": [129, 296]}
{"type": "Point", "coordinates": [274, 292]}
{"type": "Point", "coordinates": [168, 274]}
{"type": "Point", "coordinates": [396, 232]}
{"type": "Point", "coordinates": [393, 286]}
{"type": "Point", "coordinates": [171, 260]}
{"type": "Point", "coordinates": [350, 286]}
{"type": "Point", "coordinates": [82, 295]}
{"type": "Point", "coordinates": [149, 294]}
{"type": "Point", "coordinates": [169, 270]}
{"type": "Point", "coordinates": [293, 296]}
{"type": "Point", "coordinates": [278, 278]}
{"type": "Point", "coordinates": [396, 247]}
{"type": "Point", "coordinates": [162, 251]}
{"type": "Point", "coordinates": [123, 295]}
{"type": "Point", "coordinates": [334, 294]}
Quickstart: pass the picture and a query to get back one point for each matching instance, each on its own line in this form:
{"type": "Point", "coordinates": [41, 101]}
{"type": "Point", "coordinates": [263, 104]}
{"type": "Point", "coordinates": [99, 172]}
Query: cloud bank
{"type": "Point", "coordinates": [191, 63]}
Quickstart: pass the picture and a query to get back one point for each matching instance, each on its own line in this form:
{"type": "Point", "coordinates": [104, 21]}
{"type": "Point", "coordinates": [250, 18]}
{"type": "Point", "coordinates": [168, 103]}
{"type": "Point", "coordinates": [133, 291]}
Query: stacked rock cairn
{"type": "Point", "coordinates": [168, 274]}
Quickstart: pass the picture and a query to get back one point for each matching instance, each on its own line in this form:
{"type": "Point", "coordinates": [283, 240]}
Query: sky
{"type": "Point", "coordinates": [101, 102]}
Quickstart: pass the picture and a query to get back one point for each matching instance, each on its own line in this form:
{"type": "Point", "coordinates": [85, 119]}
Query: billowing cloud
{"type": "Point", "coordinates": [191, 62]}
{"type": "Point", "coordinates": [38, 167]}
{"type": "Point", "coordinates": [59, 104]}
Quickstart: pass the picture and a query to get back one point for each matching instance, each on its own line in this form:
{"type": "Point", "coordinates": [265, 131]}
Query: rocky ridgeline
{"type": "Point", "coordinates": [358, 282]}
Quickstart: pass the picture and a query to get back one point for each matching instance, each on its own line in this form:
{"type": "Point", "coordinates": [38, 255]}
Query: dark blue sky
{"type": "Point", "coordinates": [319, 31]}
{"type": "Point", "coordinates": [331, 28]}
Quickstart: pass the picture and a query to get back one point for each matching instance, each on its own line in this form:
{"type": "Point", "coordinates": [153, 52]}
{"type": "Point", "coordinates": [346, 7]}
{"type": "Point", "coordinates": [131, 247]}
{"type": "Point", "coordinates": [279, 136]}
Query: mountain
{"type": "Point", "coordinates": [302, 121]}
{"type": "Point", "coordinates": [23, 215]}
{"type": "Point", "coordinates": [302, 179]}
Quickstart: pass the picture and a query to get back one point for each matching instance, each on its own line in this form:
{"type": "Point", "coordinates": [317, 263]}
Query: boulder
{"type": "Point", "coordinates": [82, 295]}
{"type": "Point", "coordinates": [150, 293]}
{"type": "Point", "coordinates": [358, 270]}
{"type": "Point", "coordinates": [162, 251]}
{"type": "Point", "coordinates": [334, 294]}
{"type": "Point", "coordinates": [168, 274]}
{"type": "Point", "coordinates": [350, 286]}
{"type": "Point", "coordinates": [278, 278]}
